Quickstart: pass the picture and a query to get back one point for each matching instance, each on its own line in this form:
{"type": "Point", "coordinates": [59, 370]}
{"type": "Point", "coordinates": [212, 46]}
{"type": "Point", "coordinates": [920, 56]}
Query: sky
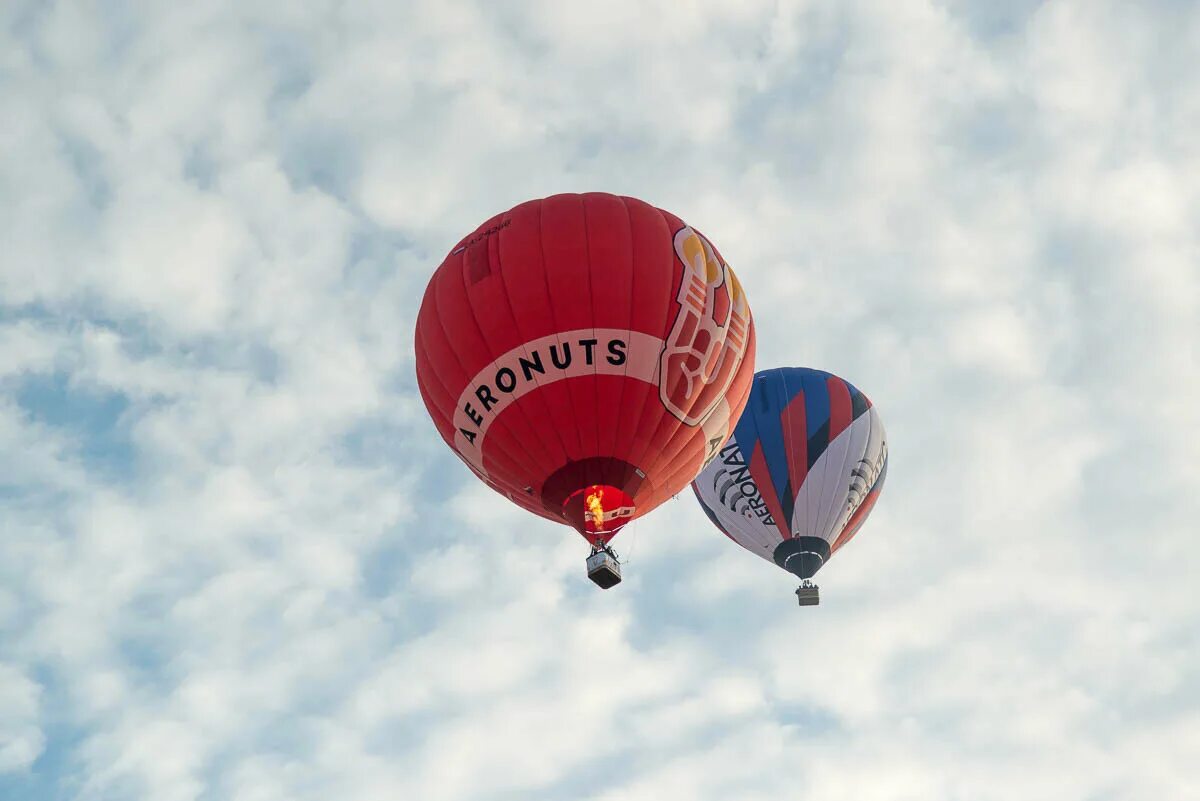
{"type": "Point", "coordinates": [237, 563]}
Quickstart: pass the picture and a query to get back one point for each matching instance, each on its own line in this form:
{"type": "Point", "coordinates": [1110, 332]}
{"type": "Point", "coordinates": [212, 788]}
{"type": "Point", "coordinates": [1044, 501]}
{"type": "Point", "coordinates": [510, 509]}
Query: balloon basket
{"type": "Point", "coordinates": [603, 568]}
{"type": "Point", "coordinates": [808, 594]}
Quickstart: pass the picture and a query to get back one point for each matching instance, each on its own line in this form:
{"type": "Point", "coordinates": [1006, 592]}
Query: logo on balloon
{"type": "Point", "coordinates": [735, 487]}
{"type": "Point", "coordinates": [541, 362]}
{"type": "Point", "coordinates": [863, 479]}
{"type": "Point", "coordinates": [709, 336]}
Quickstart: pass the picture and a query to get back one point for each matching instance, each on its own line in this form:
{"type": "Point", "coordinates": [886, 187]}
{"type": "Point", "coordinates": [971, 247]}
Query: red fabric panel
{"type": "Point", "coordinates": [610, 252]}
{"type": "Point", "coordinates": [651, 299]}
{"type": "Point", "coordinates": [535, 316]}
{"type": "Point", "coordinates": [839, 406]}
{"type": "Point", "coordinates": [766, 487]}
{"type": "Point", "coordinates": [795, 441]}
{"type": "Point", "coordinates": [856, 520]}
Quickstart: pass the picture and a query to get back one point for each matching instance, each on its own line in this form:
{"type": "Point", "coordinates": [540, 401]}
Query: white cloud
{"type": "Point", "coordinates": [236, 561]}
{"type": "Point", "coordinates": [21, 737]}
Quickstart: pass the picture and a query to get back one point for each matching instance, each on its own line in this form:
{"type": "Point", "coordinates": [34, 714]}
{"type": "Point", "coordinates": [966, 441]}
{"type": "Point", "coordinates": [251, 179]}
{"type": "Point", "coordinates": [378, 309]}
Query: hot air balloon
{"type": "Point", "coordinates": [585, 356]}
{"type": "Point", "coordinates": [801, 472]}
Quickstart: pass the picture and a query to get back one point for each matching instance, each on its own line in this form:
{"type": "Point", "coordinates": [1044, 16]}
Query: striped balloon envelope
{"type": "Point", "coordinates": [802, 471]}
{"type": "Point", "coordinates": [585, 355]}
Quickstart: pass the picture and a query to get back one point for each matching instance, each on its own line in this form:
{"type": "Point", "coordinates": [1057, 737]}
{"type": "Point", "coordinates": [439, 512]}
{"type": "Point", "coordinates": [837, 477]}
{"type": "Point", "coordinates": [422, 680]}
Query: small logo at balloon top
{"type": "Point", "coordinates": [709, 336]}
{"type": "Point", "coordinates": [479, 237]}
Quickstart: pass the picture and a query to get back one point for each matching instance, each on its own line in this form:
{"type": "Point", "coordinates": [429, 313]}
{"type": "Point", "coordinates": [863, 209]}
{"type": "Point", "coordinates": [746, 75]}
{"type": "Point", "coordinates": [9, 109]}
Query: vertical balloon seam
{"type": "Point", "coordinates": [479, 294]}
{"type": "Point", "coordinates": [679, 469]}
{"type": "Point", "coordinates": [505, 459]}
{"type": "Point", "coordinates": [742, 400]}
{"type": "Point", "coordinates": [813, 509]}
{"type": "Point", "coordinates": [421, 353]}
{"type": "Point", "coordinates": [578, 473]}
{"type": "Point", "coordinates": [433, 406]}
{"type": "Point", "coordinates": [549, 307]}
{"type": "Point", "coordinates": [828, 476]}
{"type": "Point", "coordinates": [824, 459]}
{"type": "Point", "coordinates": [554, 324]}
{"type": "Point", "coordinates": [790, 508]}
{"type": "Point", "coordinates": [855, 448]}
{"type": "Point", "coordinates": [555, 437]}
{"type": "Point", "coordinates": [745, 528]}
{"type": "Point", "coordinates": [768, 420]}
{"type": "Point", "coordinates": [627, 425]}
{"type": "Point", "coordinates": [603, 476]}
{"type": "Point", "coordinates": [435, 376]}
{"type": "Point", "coordinates": [640, 455]}
{"type": "Point", "coordinates": [618, 425]}
{"type": "Point", "coordinates": [552, 268]}
{"type": "Point", "coordinates": [750, 533]}
{"type": "Point", "coordinates": [650, 442]}
{"type": "Point", "coordinates": [501, 457]}
{"type": "Point", "coordinates": [742, 529]}
{"type": "Point", "coordinates": [748, 449]}
{"type": "Point", "coordinates": [797, 517]}
{"type": "Point", "coordinates": [801, 523]}
{"type": "Point", "coordinates": [698, 431]}
{"type": "Point", "coordinates": [858, 454]}
{"type": "Point", "coordinates": [592, 387]}
{"type": "Point", "coordinates": [668, 424]}
{"type": "Point", "coordinates": [800, 518]}
{"type": "Point", "coordinates": [839, 479]}
{"type": "Point", "coordinates": [876, 485]}
{"type": "Point", "coordinates": [733, 531]}
{"type": "Point", "coordinates": [512, 458]}
{"type": "Point", "coordinates": [794, 481]}
{"type": "Point", "coordinates": [532, 463]}
{"type": "Point", "coordinates": [769, 537]}
{"type": "Point", "coordinates": [873, 421]}
{"type": "Point", "coordinates": [765, 480]}
{"type": "Point", "coordinates": [762, 419]}
{"type": "Point", "coordinates": [671, 455]}
{"type": "Point", "coordinates": [727, 275]}
{"type": "Point", "coordinates": [837, 533]}
{"type": "Point", "coordinates": [861, 456]}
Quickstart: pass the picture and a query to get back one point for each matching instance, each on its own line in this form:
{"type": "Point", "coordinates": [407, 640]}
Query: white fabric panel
{"type": "Point", "coordinates": [727, 489]}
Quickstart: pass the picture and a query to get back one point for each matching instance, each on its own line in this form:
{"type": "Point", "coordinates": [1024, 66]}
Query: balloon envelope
{"type": "Point", "coordinates": [584, 355]}
{"type": "Point", "coordinates": [802, 471]}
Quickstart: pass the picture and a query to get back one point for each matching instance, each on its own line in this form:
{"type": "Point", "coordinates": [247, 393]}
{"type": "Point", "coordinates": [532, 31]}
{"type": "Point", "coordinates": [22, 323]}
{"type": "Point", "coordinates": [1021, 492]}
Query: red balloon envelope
{"type": "Point", "coordinates": [585, 355]}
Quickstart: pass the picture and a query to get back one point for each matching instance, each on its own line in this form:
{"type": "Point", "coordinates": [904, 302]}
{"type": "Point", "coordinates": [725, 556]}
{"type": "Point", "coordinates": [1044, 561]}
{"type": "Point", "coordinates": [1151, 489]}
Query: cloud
{"type": "Point", "coordinates": [21, 734]}
{"type": "Point", "coordinates": [236, 560]}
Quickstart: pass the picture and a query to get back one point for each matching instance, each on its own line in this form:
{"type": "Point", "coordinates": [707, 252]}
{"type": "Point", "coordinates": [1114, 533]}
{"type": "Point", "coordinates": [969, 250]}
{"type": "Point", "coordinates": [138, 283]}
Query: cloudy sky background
{"type": "Point", "coordinates": [236, 561]}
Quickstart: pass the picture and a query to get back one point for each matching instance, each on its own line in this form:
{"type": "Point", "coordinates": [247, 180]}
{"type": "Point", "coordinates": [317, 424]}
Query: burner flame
{"type": "Point", "coordinates": [594, 503]}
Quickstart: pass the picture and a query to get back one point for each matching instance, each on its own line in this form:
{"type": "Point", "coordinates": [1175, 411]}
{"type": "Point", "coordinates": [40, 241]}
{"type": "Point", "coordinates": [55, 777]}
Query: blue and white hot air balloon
{"type": "Point", "coordinates": [801, 472]}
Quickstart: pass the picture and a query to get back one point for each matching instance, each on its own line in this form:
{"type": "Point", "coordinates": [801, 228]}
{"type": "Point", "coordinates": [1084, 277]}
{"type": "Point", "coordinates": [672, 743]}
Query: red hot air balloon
{"type": "Point", "coordinates": [585, 356]}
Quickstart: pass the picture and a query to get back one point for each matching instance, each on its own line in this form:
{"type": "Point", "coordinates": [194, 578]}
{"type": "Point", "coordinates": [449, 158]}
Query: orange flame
{"type": "Point", "coordinates": [595, 506]}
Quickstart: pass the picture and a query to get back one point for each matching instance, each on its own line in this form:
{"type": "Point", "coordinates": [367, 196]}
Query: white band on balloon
{"type": "Point", "coordinates": [544, 361]}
